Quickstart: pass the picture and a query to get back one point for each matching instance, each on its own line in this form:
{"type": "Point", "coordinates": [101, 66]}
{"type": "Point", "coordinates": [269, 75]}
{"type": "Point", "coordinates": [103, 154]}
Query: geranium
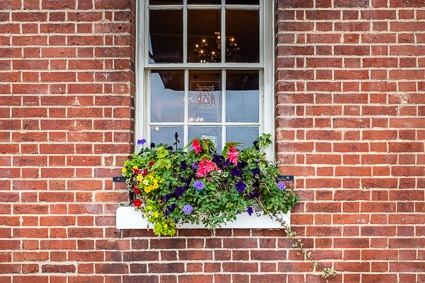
{"type": "Point", "coordinates": [204, 186]}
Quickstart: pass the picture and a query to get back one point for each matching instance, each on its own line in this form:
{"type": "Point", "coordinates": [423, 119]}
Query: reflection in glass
{"type": "Point", "coordinates": [167, 96]}
{"type": "Point", "coordinates": [166, 38]}
{"type": "Point", "coordinates": [246, 135]}
{"type": "Point", "coordinates": [212, 133]}
{"type": "Point", "coordinates": [165, 2]}
{"type": "Point", "coordinates": [202, 28]}
{"type": "Point", "coordinates": [243, 2]}
{"type": "Point", "coordinates": [205, 96]}
{"type": "Point", "coordinates": [243, 26]}
{"type": "Point", "coordinates": [167, 135]}
{"type": "Point", "coordinates": [242, 96]}
{"type": "Point", "coordinates": [203, 2]}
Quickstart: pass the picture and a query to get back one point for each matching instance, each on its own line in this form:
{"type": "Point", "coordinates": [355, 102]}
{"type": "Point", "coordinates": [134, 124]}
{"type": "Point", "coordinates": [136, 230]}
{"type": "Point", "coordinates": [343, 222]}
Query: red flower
{"type": "Point", "coordinates": [205, 166]}
{"type": "Point", "coordinates": [137, 202]}
{"type": "Point", "coordinates": [196, 146]}
{"type": "Point", "coordinates": [232, 155]}
{"type": "Point", "coordinates": [136, 191]}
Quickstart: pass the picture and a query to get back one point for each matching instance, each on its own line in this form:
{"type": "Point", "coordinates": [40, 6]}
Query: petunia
{"type": "Point", "coordinates": [187, 209]}
{"type": "Point", "coordinates": [281, 186]}
{"type": "Point", "coordinates": [255, 171]}
{"type": "Point", "coordinates": [179, 191]}
{"type": "Point", "coordinates": [249, 210]}
{"type": "Point", "coordinates": [137, 202]}
{"type": "Point", "coordinates": [236, 172]}
{"type": "Point", "coordinates": [240, 186]}
{"type": "Point", "coordinates": [198, 185]}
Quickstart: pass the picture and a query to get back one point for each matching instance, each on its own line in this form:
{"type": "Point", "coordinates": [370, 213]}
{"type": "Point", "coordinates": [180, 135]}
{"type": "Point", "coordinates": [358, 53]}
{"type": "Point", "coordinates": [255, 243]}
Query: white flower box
{"type": "Point", "coordinates": [128, 218]}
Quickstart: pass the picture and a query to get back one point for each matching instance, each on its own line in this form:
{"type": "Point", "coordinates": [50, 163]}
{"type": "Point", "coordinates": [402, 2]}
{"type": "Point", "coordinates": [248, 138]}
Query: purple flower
{"type": "Point", "coordinates": [187, 209]}
{"type": "Point", "coordinates": [249, 210]}
{"type": "Point", "coordinates": [236, 172]}
{"type": "Point", "coordinates": [179, 191]}
{"type": "Point", "coordinates": [142, 141]}
{"type": "Point", "coordinates": [255, 171]}
{"type": "Point", "coordinates": [240, 186]}
{"type": "Point", "coordinates": [183, 165]}
{"type": "Point", "coordinates": [198, 185]}
{"type": "Point", "coordinates": [194, 166]}
{"type": "Point", "coordinates": [281, 186]}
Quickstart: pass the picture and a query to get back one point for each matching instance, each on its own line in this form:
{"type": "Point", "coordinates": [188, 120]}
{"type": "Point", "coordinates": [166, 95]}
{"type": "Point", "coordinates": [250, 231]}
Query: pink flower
{"type": "Point", "coordinates": [196, 146]}
{"type": "Point", "coordinates": [232, 155]}
{"type": "Point", "coordinates": [204, 167]}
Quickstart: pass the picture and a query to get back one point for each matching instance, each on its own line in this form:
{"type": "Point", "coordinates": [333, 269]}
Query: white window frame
{"type": "Point", "coordinates": [266, 67]}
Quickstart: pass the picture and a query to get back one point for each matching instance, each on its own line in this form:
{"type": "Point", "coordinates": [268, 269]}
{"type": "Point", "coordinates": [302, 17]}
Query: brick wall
{"type": "Point", "coordinates": [349, 128]}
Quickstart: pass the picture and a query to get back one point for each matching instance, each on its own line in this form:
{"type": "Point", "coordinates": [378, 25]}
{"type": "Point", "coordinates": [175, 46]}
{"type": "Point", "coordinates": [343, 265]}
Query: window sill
{"type": "Point", "coordinates": [128, 218]}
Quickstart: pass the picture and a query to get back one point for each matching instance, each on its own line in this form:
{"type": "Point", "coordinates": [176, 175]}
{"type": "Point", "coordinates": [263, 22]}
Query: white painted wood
{"type": "Point", "coordinates": [128, 218]}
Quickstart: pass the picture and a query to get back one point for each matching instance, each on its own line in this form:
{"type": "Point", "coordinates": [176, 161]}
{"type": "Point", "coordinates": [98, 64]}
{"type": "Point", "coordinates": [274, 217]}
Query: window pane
{"type": "Point", "coordinates": [205, 96]}
{"type": "Point", "coordinates": [242, 96]}
{"type": "Point", "coordinates": [166, 36]}
{"type": "Point", "coordinates": [203, 30]}
{"type": "Point", "coordinates": [246, 135]}
{"type": "Point", "coordinates": [165, 2]}
{"type": "Point", "coordinates": [203, 1]}
{"type": "Point", "coordinates": [167, 135]}
{"type": "Point", "coordinates": [167, 96]}
{"type": "Point", "coordinates": [243, 2]}
{"type": "Point", "coordinates": [212, 133]}
{"type": "Point", "coordinates": [242, 29]}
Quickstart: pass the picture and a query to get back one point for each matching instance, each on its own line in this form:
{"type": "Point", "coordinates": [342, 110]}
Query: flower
{"type": "Point", "coordinates": [187, 209]}
{"type": "Point", "coordinates": [172, 184]}
{"type": "Point", "coordinates": [137, 202]}
{"type": "Point", "coordinates": [141, 142]}
{"type": "Point", "coordinates": [240, 186]}
{"type": "Point", "coordinates": [205, 167]}
{"type": "Point", "coordinates": [198, 185]}
{"type": "Point", "coordinates": [232, 155]}
{"type": "Point", "coordinates": [249, 210]}
{"type": "Point", "coordinates": [196, 146]}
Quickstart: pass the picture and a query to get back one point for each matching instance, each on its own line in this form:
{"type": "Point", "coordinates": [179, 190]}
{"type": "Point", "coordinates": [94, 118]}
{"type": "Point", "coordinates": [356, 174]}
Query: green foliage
{"type": "Point", "coordinates": [203, 186]}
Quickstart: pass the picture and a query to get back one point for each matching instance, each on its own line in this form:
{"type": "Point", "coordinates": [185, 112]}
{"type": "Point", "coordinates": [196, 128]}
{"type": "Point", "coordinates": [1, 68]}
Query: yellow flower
{"type": "Point", "coordinates": [123, 170]}
{"type": "Point", "coordinates": [145, 182]}
{"type": "Point", "coordinates": [139, 177]}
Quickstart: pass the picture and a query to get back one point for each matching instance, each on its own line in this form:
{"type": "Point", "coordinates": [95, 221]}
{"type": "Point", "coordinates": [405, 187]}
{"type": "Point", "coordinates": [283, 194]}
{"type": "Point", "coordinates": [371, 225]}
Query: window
{"type": "Point", "coordinates": [205, 69]}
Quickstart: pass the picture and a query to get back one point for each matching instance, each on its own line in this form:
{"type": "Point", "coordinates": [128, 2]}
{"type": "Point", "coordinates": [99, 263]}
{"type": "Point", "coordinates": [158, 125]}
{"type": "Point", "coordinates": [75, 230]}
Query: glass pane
{"type": "Point", "coordinates": [203, 36]}
{"type": "Point", "coordinates": [243, 2]}
{"type": "Point", "coordinates": [242, 96]}
{"type": "Point", "coordinates": [205, 96]}
{"type": "Point", "coordinates": [165, 36]}
{"type": "Point", "coordinates": [212, 133]}
{"type": "Point", "coordinates": [246, 135]}
{"type": "Point", "coordinates": [165, 2]}
{"type": "Point", "coordinates": [167, 96]}
{"type": "Point", "coordinates": [242, 36]}
{"type": "Point", "coordinates": [167, 135]}
{"type": "Point", "coordinates": [203, 1]}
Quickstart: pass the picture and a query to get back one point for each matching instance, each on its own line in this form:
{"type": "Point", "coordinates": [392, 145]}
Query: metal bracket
{"type": "Point", "coordinates": [118, 179]}
{"type": "Point", "coordinates": [286, 178]}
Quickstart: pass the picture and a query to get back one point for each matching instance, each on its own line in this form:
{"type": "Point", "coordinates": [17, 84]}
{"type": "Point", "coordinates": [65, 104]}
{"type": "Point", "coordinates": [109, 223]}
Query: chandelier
{"type": "Point", "coordinates": [208, 54]}
{"type": "Point", "coordinates": [203, 96]}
